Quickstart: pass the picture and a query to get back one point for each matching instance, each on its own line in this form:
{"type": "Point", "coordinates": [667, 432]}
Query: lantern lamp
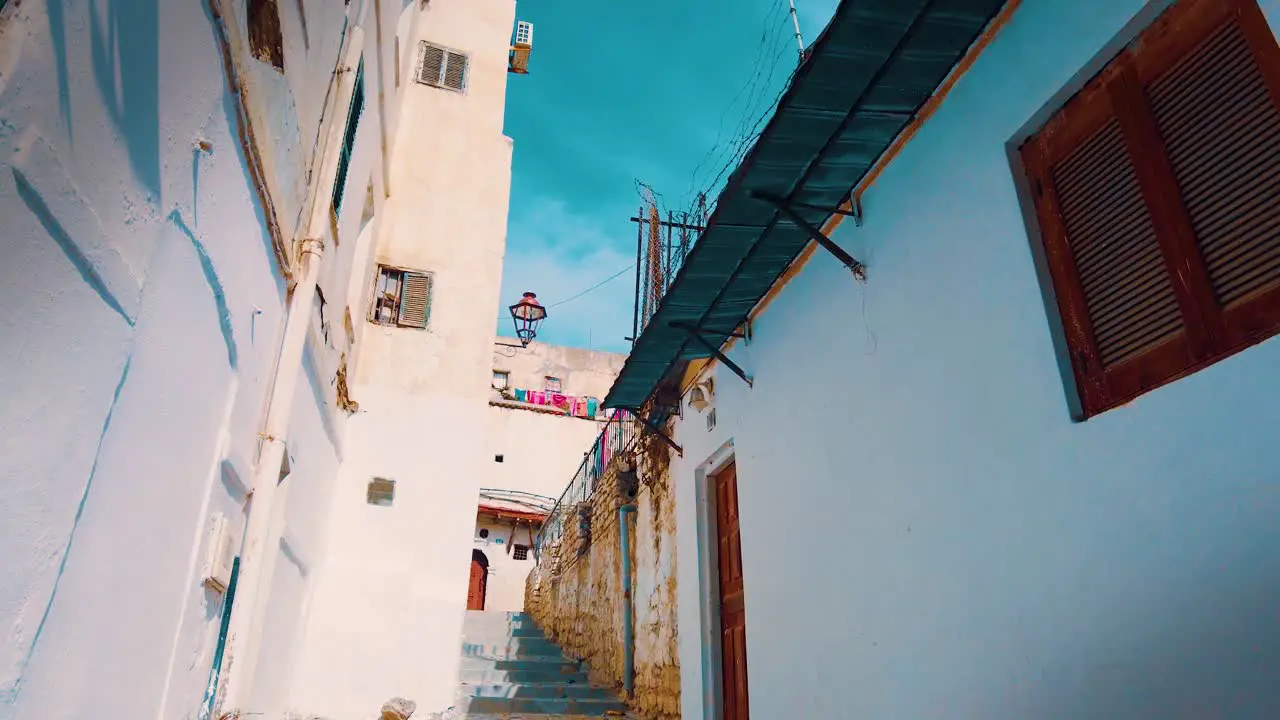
{"type": "Point", "coordinates": [528, 314]}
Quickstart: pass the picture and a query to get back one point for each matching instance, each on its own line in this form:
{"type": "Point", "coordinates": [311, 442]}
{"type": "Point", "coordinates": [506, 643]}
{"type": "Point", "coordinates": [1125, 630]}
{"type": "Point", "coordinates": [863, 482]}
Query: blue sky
{"type": "Point", "coordinates": [622, 91]}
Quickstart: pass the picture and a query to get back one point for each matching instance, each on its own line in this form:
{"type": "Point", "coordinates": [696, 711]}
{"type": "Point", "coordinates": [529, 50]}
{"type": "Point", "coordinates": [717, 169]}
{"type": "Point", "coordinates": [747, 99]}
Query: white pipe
{"type": "Point", "coordinates": [243, 632]}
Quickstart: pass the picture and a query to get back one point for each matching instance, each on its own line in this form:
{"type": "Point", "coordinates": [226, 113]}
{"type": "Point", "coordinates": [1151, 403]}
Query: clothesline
{"type": "Point", "coordinates": [583, 407]}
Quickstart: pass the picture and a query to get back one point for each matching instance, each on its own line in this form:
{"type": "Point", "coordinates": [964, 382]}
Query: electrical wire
{"type": "Point", "coordinates": [597, 286]}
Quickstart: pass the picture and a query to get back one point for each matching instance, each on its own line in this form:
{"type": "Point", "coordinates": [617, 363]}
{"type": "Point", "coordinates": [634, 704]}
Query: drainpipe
{"type": "Point", "coordinates": [244, 630]}
{"type": "Point", "coordinates": [628, 636]}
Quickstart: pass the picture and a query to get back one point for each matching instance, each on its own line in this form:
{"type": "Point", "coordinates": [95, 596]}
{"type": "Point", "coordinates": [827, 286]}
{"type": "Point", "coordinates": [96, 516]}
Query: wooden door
{"type": "Point", "coordinates": [733, 611]}
{"type": "Point", "coordinates": [479, 578]}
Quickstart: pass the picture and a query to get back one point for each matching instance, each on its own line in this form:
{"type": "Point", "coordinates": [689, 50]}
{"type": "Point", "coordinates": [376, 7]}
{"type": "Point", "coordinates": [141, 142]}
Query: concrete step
{"type": "Point", "coordinates": [590, 707]}
{"type": "Point", "coordinates": [537, 690]}
{"type": "Point", "coordinates": [541, 664]}
{"type": "Point", "coordinates": [495, 633]}
{"type": "Point", "coordinates": [483, 617]}
{"type": "Point", "coordinates": [523, 675]}
{"type": "Point", "coordinates": [513, 648]}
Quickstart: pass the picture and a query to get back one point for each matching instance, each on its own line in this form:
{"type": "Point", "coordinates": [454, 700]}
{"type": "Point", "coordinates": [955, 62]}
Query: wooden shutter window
{"type": "Point", "coordinates": [1157, 189]}
{"type": "Point", "coordinates": [1221, 130]}
{"type": "Point", "coordinates": [1111, 236]}
{"type": "Point", "coordinates": [415, 300]}
{"type": "Point", "coordinates": [432, 66]}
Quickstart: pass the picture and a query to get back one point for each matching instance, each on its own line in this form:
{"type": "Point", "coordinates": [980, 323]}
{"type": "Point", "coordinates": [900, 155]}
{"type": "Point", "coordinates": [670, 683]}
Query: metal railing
{"type": "Point", "coordinates": [619, 434]}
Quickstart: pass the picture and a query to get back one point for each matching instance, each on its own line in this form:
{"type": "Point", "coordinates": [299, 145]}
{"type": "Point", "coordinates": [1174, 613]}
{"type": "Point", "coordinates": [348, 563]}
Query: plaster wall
{"type": "Point", "coordinates": [387, 618]}
{"type": "Point", "coordinates": [576, 594]}
{"type": "Point", "coordinates": [142, 298]}
{"type": "Point", "coordinates": [995, 559]}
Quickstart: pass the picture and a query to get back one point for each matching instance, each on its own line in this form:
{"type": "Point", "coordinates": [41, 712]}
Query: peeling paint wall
{"type": "Point", "coordinates": [577, 597]}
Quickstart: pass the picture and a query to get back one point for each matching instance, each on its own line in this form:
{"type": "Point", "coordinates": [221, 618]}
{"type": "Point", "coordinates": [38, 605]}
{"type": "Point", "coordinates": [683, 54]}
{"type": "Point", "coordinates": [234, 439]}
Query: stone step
{"type": "Point", "coordinates": [590, 707]}
{"type": "Point", "coordinates": [537, 690]}
{"type": "Point", "coordinates": [514, 648]}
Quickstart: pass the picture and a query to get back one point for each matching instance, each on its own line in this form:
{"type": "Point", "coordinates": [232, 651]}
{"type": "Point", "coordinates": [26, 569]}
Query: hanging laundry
{"type": "Point", "coordinates": [521, 395]}
{"type": "Point", "coordinates": [592, 406]}
{"type": "Point", "coordinates": [537, 397]}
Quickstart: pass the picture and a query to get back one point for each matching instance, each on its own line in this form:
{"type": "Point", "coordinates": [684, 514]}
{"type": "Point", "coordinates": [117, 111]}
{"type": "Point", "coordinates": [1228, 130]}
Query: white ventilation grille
{"type": "Point", "coordinates": [442, 68]}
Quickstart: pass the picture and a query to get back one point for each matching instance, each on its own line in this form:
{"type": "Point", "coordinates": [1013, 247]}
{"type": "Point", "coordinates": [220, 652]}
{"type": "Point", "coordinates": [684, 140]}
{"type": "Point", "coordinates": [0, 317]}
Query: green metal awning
{"type": "Point", "coordinates": [864, 79]}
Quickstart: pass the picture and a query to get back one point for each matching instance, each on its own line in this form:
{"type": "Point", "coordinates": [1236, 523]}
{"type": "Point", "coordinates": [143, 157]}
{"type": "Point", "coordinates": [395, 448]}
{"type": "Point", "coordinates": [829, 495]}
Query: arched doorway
{"type": "Point", "coordinates": [479, 578]}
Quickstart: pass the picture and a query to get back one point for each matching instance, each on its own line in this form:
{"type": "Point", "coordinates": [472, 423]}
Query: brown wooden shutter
{"type": "Point", "coordinates": [1158, 193]}
{"type": "Point", "coordinates": [415, 300]}
{"type": "Point", "coordinates": [432, 65]}
{"type": "Point", "coordinates": [1218, 116]}
{"type": "Point", "coordinates": [455, 71]}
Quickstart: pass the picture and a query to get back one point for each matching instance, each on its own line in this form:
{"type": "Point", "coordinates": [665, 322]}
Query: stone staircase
{"type": "Point", "coordinates": [510, 669]}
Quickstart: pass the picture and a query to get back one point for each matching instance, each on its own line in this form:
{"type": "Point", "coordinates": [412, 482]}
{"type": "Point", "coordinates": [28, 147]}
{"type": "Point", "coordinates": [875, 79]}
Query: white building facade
{"type": "Point", "coordinates": [202, 205]}
{"type": "Point", "coordinates": [544, 410]}
{"type": "Point", "coordinates": [918, 495]}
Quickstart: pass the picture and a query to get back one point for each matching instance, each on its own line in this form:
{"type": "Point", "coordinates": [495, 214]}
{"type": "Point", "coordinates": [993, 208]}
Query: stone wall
{"type": "Point", "coordinates": [575, 593]}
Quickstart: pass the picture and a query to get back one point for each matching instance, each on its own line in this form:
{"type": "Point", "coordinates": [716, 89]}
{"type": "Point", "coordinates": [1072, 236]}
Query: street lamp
{"type": "Point", "coordinates": [528, 314]}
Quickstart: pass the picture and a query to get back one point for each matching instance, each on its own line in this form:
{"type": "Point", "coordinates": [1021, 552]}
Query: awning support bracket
{"type": "Point", "coordinates": [653, 428]}
{"type": "Point", "coordinates": [788, 209]}
{"type": "Point", "coordinates": [697, 336]}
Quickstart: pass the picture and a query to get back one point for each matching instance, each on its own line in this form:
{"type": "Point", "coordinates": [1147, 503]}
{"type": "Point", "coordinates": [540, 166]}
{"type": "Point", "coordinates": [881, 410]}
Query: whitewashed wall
{"type": "Point", "coordinates": [142, 303]}
{"type": "Point", "coordinates": [925, 531]}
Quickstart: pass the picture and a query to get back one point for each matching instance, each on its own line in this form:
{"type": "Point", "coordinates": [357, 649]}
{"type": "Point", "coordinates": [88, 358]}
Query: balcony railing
{"type": "Point", "coordinates": [619, 435]}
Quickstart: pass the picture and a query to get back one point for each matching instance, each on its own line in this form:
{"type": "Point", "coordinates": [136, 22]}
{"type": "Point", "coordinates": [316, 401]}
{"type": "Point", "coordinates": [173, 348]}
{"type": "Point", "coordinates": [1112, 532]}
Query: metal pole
{"type": "Point", "coordinates": [628, 641]}
{"type": "Point", "coordinates": [795, 20]}
{"type": "Point", "coordinates": [635, 316]}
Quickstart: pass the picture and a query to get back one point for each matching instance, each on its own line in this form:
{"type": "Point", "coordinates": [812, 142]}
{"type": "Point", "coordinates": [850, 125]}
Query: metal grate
{"type": "Point", "coordinates": [520, 552]}
{"type": "Point", "coordinates": [415, 303]}
{"type": "Point", "coordinates": [1222, 134]}
{"type": "Point", "coordinates": [1131, 302]}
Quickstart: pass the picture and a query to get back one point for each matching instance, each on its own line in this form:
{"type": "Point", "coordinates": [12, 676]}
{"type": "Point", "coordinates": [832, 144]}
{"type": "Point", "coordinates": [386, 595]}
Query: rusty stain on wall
{"type": "Point", "coordinates": [576, 596]}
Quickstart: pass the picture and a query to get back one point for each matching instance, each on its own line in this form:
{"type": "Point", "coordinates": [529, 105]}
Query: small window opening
{"type": "Point", "coordinates": [553, 384]}
{"type": "Point", "coordinates": [381, 492]}
{"type": "Point", "coordinates": [520, 552]}
{"type": "Point", "coordinates": [501, 379]}
{"type": "Point", "coordinates": [401, 298]}
{"type": "Point", "coordinates": [484, 533]}
{"type": "Point", "coordinates": [497, 458]}
{"type": "Point", "coordinates": [265, 38]}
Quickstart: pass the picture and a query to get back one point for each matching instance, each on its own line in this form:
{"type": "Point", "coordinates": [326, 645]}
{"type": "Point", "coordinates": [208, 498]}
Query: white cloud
{"type": "Point", "coordinates": [558, 254]}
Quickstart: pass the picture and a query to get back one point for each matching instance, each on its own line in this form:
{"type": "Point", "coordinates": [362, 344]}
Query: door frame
{"type": "Point", "coordinates": [709, 580]}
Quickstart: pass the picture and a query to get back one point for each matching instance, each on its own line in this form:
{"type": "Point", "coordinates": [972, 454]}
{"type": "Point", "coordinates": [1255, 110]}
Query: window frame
{"type": "Point", "coordinates": [547, 380]}
{"type": "Point", "coordinates": [1210, 332]}
{"type": "Point", "coordinates": [372, 315]}
{"type": "Point", "coordinates": [506, 380]}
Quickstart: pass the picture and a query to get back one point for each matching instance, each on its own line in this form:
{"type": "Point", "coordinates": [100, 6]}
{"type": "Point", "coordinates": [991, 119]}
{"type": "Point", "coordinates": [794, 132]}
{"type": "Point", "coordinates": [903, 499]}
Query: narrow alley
{"type": "Point", "coordinates": [876, 359]}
